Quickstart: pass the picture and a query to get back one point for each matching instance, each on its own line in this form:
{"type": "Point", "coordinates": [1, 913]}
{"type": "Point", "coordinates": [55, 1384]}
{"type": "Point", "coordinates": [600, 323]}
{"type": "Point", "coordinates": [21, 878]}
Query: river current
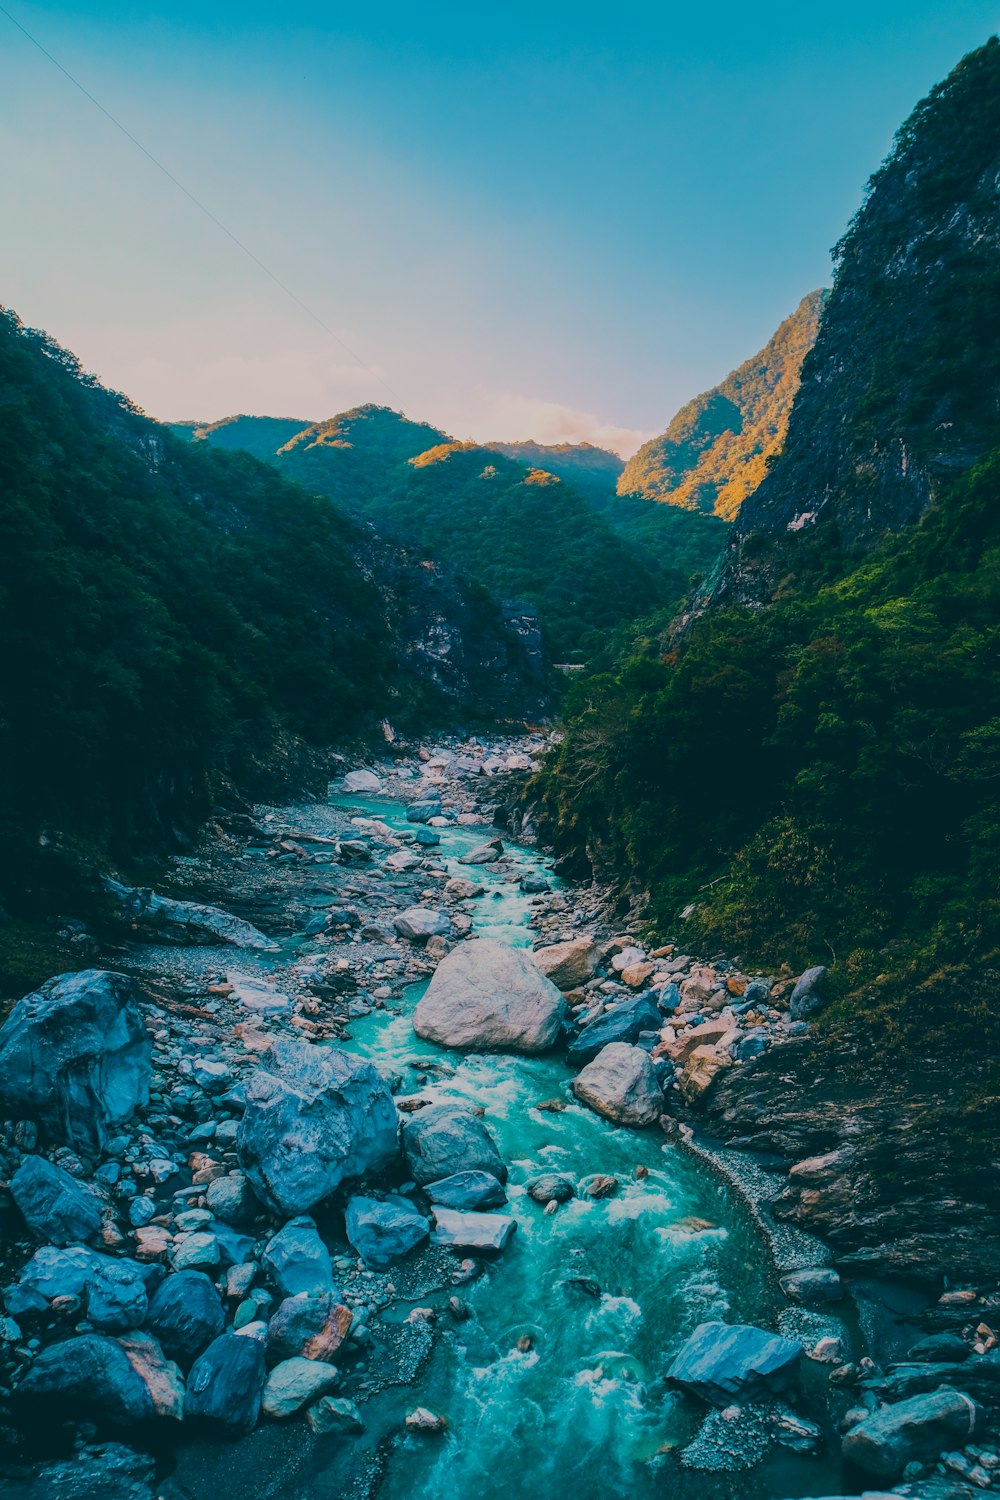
{"type": "Point", "coordinates": [554, 1384]}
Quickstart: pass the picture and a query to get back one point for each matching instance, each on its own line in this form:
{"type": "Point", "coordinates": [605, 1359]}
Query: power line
{"type": "Point", "coordinates": [304, 306]}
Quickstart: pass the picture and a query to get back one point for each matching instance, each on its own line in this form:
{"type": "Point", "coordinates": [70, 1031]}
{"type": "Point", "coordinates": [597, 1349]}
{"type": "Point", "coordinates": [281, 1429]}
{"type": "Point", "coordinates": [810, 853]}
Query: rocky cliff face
{"type": "Point", "coordinates": [715, 451]}
{"type": "Point", "coordinates": [900, 393]}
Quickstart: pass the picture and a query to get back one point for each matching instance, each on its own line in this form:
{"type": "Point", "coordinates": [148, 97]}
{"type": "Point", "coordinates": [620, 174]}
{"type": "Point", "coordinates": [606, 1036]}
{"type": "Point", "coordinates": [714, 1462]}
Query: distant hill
{"type": "Point", "coordinates": [538, 526]}
{"type": "Point", "coordinates": [582, 464]}
{"type": "Point", "coordinates": [175, 616]}
{"type": "Point", "coordinates": [715, 451]}
{"type": "Point", "coordinates": [259, 436]}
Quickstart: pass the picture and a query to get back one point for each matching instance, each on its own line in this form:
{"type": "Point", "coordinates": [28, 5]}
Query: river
{"type": "Point", "coordinates": [582, 1411]}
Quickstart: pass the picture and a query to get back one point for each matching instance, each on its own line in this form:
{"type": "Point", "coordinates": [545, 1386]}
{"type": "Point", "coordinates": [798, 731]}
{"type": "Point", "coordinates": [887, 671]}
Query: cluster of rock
{"type": "Point", "coordinates": [170, 1268]}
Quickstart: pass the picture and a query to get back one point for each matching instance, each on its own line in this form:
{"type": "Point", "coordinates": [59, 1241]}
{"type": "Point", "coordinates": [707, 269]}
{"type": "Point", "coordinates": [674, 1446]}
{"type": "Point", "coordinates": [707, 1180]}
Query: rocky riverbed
{"type": "Point", "coordinates": [370, 1162]}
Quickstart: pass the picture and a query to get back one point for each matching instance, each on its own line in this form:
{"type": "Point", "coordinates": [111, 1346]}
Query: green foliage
{"type": "Point", "coordinates": [543, 525]}
{"type": "Point", "coordinates": [166, 609]}
{"type": "Point", "coordinates": [820, 777]}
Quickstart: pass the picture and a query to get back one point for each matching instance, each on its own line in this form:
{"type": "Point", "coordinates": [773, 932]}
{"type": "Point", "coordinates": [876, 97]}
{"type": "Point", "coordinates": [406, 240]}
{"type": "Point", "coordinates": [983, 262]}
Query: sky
{"type": "Point", "coordinates": [549, 220]}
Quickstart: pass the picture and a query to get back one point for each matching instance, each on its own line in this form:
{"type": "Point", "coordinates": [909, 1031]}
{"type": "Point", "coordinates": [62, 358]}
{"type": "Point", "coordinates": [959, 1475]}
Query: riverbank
{"type": "Point", "coordinates": [581, 1284]}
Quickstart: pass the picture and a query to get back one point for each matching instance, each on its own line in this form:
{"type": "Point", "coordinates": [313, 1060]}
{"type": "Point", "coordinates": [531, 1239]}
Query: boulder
{"type": "Point", "coordinates": [726, 1362]}
{"type": "Point", "coordinates": [621, 1084]}
{"type": "Point", "coordinates": [703, 1066]}
{"type": "Point", "coordinates": [362, 781]}
{"type": "Point", "coordinates": [96, 1374]}
{"type": "Point", "coordinates": [76, 1057]}
{"type": "Point", "coordinates": [231, 1199]}
{"type": "Point", "coordinates": [296, 1383]}
{"type": "Point", "coordinates": [186, 1314]}
{"type": "Point", "coordinates": [420, 922]}
{"type": "Point", "coordinates": [912, 1431]}
{"type": "Point", "coordinates": [334, 1414]}
{"type": "Point", "coordinates": [111, 1291]}
{"type": "Point", "coordinates": [424, 810]}
{"type": "Point", "coordinates": [813, 1287]}
{"type": "Point", "coordinates": [445, 1139]}
{"type": "Point", "coordinates": [297, 1260]}
{"type": "Point", "coordinates": [550, 1187]}
{"type": "Point", "coordinates": [467, 1190]}
{"type": "Point", "coordinates": [384, 1232]}
{"type": "Point", "coordinates": [569, 963]}
{"type": "Point", "coordinates": [619, 1023]}
{"type": "Point", "coordinates": [485, 854]}
{"type": "Point", "coordinates": [108, 1470]}
{"type": "Point", "coordinates": [315, 1116]}
{"type": "Point", "coordinates": [188, 921]}
{"type": "Point", "coordinates": [226, 1382]}
{"type": "Point", "coordinates": [159, 1375]}
{"type": "Point", "coordinates": [312, 1327]}
{"type": "Point", "coordinates": [471, 1231]}
{"type": "Point", "coordinates": [806, 998]}
{"type": "Point", "coordinates": [940, 1348]}
{"type": "Point", "coordinates": [403, 860]}
{"type": "Point", "coordinates": [53, 1204]}
{"type": "Point", "coordinates": [486, 996]}
{"type": "Point", "coordinates": [461, 889]}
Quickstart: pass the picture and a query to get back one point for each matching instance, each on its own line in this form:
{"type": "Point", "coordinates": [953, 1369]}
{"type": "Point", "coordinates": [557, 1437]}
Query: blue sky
{"type": "Point", "coordinates": [545, 220]}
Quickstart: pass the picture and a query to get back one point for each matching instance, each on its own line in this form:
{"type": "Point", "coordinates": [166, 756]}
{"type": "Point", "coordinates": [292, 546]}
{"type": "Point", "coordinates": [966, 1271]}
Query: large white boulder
{"type": "Point", "coordinates": [621, 1084]}
{"type": "Point", "coordinates": [487, 997]}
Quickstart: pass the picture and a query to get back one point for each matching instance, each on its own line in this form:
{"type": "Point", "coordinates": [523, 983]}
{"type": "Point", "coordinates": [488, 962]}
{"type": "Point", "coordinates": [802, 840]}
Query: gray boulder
{"type": "Point", "coordinates": [186, 1314]}
{"type": "Point", "coordinates": [297, 1260]}
{"type": "Point", "coordinates": [296, 1383]}
{"type": "Point", "coordinates": [550, 1187]}
{"type": "Point", "coordinates": [419, 923]}
{"type": "Point", "coordinates": [424, 810]}
{"type": "Point", "coordinates": [469, 1231]}
{"type": "Point", "coordinates": [187, 921]}
{"type": "Point", "coordinates": [122, 1380]}
{"type": "Point", "coordinates": [76, 1057]}
{"type": "Point", "coordinates": [812, 1287]}
{"type": "Point", "coordinates": [619, 1023]}
{"type": "Point", "coordinates": [315, 1116]}
{"type": "Point", "coordinates": [940, 1348]}
{"type": "Point", "coordinates": [313, 1327]}
{"type": "Point", "coordinates": [568, 963]}
{"type": "Point", "coordinates": [621, 1084]}
{"type": "Point", "coordinates": [467, 1190]}
{"type": "Point", "coordinates": [108, 1470]}
{"type": "Point", "coordinates": [383, 1233]}
{"type": "Point", "coordinates": [726, 1362]}
{"type": "Point", "coordinates": [485, 854]}
{"type": "Point", "coordinates": [445, 1139]}
{"type": "Point", "coordinates": [913, 1431]}
{"type": "Point", "coordinates": [806, 998]}
{"type": "Point", "coordinates": [111, 1291]}
{"type": "Point", "coordinates": [53, 1204]}
{"type": "Point", "coordinates": [334, 1414]}
{"type": "Point", "coordinates": [226, 1382]}
{"type": "Point", "coordinates": [231, 1199]}
{"type": "Point", "coordinates": [485, 996]}
{"type": "Point", "coordinates": [362, 781]}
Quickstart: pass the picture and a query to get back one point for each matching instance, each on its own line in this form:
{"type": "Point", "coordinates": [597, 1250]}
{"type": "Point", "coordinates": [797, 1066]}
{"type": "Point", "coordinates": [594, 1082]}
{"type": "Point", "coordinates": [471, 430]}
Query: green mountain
{"type": "Point", "coordinates": [901, 394]}
{"type": "Point", "coordinates": [522, 530]}
{"type": "Point", "coordinates": [589, 468]}
{"type": "Point", "coordinates": [258, 436]}
{"type": "Point", "coordinates": [816, 778]}
{"type": "Point", "coordinates": [174, 615]}
{"type": "Point", "coordinates": [715, 451]}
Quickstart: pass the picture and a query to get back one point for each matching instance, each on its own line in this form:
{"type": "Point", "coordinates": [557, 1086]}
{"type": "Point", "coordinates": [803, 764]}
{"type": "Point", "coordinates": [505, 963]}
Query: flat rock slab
{"type": "Point", "coordinates": [471, 1231]}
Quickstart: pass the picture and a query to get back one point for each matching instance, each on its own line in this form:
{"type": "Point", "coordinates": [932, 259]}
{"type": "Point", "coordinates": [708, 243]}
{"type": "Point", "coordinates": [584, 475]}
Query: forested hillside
{"type": "Point", "coordinates": [818, 780]}
{"type": "Point", "coordinates": [169, 611]}
{"type": "Point", "coordinates": [556, 537]}
{"type": "Point", "coordinates": [716, 450]}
